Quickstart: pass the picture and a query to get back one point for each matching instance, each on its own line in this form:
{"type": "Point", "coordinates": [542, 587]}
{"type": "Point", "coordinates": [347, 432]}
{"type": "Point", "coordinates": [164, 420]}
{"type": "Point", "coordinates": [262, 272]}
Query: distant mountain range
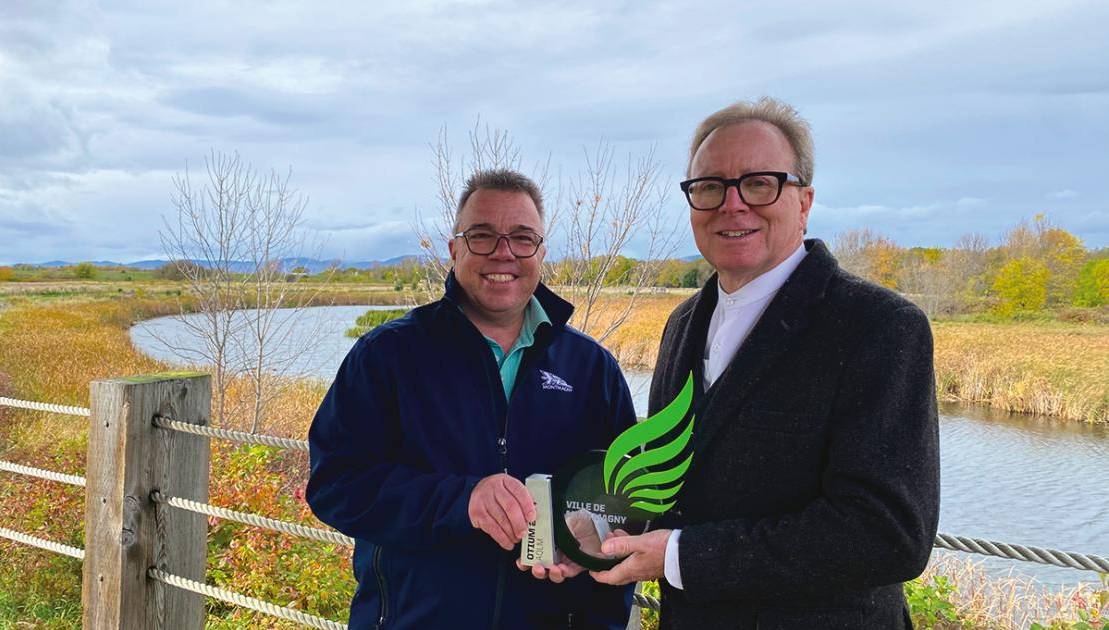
{"type": "Point", "coordinates": [311, 264]}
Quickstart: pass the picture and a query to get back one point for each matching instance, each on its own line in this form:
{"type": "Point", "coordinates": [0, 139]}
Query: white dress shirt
{"type": "Point", "coordinates": [732, 320]}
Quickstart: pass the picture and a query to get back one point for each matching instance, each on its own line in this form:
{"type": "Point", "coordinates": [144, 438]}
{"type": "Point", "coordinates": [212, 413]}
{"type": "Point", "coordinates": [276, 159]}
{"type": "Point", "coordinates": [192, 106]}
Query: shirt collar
{"type": "Point", "coordinates": [762, 286]}
{"type": "Point", "coordinates": [534, 316]}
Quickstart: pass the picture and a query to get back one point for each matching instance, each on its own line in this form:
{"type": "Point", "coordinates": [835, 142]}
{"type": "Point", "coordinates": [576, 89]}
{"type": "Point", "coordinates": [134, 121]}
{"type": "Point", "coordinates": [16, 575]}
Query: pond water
{"type": "Point", "coordinates": [1004, 477]}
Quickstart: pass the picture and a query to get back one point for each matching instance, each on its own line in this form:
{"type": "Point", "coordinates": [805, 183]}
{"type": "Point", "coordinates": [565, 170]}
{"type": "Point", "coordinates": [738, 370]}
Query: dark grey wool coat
{"type": "Point", "coordinates": [814, 487]}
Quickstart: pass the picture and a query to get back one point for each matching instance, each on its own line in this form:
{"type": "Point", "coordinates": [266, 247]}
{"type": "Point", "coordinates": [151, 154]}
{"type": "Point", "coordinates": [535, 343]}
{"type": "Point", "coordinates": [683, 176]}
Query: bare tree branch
{"type": "Point", "coordinates": [228, 242]}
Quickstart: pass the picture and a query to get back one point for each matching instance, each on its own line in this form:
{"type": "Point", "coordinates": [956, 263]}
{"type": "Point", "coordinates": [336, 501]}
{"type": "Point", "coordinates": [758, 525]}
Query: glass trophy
{"type": "Point", "coordinates": [623, 487]}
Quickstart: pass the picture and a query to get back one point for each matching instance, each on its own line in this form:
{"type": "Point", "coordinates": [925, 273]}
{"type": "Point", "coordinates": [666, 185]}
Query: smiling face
{"type": "Point", "coordinates": [499, 285]}
{"type": "Point", "coordinates": [740, 241]}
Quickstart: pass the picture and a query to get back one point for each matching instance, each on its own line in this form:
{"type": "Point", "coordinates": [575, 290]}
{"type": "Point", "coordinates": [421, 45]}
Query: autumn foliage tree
{"type": "Point", "coordinates": [1061, 252]}
{"type": "Point", "coordinates": [1037, 265]}
{"type": "Point", "coordinates": [1092, 287]}
{"type": "Point", "coordinates": [869, 255]}
{"type": "Point", "coordinates": [1021, 286]}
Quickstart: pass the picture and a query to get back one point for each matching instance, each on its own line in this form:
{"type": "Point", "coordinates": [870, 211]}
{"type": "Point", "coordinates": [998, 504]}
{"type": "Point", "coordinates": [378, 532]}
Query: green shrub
{"type": "Point", "coordinates": [930, 604]}
{"type": "Point", "coordinates": [1093, 284]}
{"type": "Point", "coordinates": [85, 271]}
{"type": "Point", "coordinates": [372, 319]}
{"type": "Point", "coordinates": [648, 617]}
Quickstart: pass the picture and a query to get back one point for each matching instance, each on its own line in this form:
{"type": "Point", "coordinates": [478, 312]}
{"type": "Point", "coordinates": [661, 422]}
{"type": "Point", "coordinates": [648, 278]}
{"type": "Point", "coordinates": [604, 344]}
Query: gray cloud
{"type": "Point", "coordinates": [228, 102]}
{"type": "Point", "coordinates": [994, 108]}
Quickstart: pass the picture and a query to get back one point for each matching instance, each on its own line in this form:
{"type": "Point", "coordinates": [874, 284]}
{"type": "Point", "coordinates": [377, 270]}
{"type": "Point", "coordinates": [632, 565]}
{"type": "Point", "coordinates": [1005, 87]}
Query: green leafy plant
{"type": "Point", "coordinates": [930, 603]}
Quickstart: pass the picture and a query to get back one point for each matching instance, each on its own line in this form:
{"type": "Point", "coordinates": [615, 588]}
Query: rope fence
{"type": "Point", "coordinates": [42, 543]}
{"type": "Point", "coordinates": [38, 406]}
{"type": "Point", "coordinates": [271, 524]}
{"type": "Point", "coordinates": [227, 434]}
{"type": "Point", "coordinates": [49, 475]}
{"type": "Point", "coordinates": [1064, 559]}
{"type": "Point", "coordinates": [645, 601]}
{"type": "Point", "coordinates": [232, 597]}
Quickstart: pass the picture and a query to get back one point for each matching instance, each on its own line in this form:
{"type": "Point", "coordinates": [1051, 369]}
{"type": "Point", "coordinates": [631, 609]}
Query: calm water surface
{"type": "Point", "coordinates": [1004, 477]}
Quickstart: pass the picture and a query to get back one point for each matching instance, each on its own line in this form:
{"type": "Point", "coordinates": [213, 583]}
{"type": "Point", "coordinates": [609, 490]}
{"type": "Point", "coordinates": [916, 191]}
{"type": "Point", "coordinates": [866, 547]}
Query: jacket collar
{"type": "Point", "coordinates": [787, 315]}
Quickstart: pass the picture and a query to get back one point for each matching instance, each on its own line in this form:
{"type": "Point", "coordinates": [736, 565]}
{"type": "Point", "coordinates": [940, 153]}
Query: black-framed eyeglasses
{"type": "Point", "coordinates": [755, 189]}
{"type": "Point", "coordinates": [483, 241]}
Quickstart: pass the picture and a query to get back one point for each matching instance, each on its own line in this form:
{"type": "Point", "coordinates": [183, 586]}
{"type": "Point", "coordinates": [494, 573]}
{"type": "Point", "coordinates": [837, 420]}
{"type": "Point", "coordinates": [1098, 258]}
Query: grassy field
{"type": "Point", "coordinates": [57, 338]}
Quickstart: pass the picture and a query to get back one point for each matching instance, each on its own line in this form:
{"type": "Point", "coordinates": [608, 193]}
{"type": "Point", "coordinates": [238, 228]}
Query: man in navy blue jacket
{"type": "Point", "coordinates": [419, 447]}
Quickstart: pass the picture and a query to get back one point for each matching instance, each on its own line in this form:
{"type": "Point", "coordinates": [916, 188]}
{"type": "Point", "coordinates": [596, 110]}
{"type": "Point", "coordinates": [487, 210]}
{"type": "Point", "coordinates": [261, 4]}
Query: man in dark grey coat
{"type": "Point", "coordinates": [814, 488]}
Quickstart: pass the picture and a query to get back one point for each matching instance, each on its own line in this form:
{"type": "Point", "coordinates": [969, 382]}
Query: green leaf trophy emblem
{"type": "Point", "coordinates": [651, 479]}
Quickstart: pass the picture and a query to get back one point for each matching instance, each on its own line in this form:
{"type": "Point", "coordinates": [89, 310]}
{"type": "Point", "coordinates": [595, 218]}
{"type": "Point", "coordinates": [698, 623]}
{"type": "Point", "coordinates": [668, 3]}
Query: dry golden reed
{"type": "Point", "coordinates": [1011, 602]}
{"type": "Point", "coordinates": [1057, 370]}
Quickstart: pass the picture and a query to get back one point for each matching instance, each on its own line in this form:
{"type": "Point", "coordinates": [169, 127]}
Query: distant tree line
{"type": "Point", "coordinates": [1036, 267]}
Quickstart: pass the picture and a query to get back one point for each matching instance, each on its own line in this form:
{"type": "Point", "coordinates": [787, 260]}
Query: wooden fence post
{"type": "Point", "coordinates": [125, 532]}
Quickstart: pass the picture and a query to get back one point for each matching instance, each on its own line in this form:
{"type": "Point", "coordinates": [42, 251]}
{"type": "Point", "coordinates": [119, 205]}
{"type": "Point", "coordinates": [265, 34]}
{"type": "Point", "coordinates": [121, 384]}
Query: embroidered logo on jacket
{"type": "Point", "coordinates": [550, 381]}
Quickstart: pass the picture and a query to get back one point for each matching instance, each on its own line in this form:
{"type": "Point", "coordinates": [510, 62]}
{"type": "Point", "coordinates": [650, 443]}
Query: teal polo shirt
{"type": "Point", "coordinates": [509, 363]}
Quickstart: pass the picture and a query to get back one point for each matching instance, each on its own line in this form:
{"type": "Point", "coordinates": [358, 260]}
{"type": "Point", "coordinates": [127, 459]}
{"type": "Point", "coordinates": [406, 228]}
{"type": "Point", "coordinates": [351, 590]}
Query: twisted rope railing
{"type": "Point", "coordinates": [1065, 559]}
{"type": "Point", "coordinates": [42, 543]}
{"type": "Point", "coordinates": [38, 406]}
{"type": "Point", "coordinates": [645, 601]}
{"type": "Point", "coordinates": [283, 527]}
{"type": "Point", "coordinates": [950, 542]}
{"type": "Point", "coordinates": [227, 434]}
{"type": "Point", "coordinates": [232, 597]}
{"type": "Point", "coordinates": [49, 475]}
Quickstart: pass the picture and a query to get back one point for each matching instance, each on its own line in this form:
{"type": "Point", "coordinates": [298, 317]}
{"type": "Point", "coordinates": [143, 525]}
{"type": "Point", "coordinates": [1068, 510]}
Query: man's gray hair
{"type": "Point", "coordinates": [768, 110]}
{"type": "Point", "coordinates": [499, 179]}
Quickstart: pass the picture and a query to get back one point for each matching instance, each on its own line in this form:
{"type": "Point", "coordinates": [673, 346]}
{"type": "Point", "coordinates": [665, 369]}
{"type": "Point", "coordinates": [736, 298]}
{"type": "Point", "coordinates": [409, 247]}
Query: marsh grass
{"type": "Point", "coordinates": [1050, 369]}
{"type": "Point", "coordinates": [372, 319]}
{"type": "Point", "coordinates": [635, 343]}
{"type": "Point", "coordinates": [1013, 602]}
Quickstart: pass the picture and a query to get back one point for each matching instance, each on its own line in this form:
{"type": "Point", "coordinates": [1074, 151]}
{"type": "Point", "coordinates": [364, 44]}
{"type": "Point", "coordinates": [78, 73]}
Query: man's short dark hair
{"type": "Point", "coordinates": [499, 179]}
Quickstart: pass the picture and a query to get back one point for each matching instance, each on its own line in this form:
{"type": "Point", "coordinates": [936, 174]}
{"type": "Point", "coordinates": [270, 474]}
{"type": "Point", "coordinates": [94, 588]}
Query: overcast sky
{"type": "Point", "coordinates": [931, 120]}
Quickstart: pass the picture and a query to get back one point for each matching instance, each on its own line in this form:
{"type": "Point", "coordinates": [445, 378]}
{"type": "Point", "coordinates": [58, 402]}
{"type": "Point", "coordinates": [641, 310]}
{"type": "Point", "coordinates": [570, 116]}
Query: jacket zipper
{"type": "Point", "coordinates": [502, 441]}
{"type": "Point", "coordinates": [381, 588]}
{"type": "Point", "coordinates": [502, 451]}
{"type": "Point", "coordinates": [500, 596]}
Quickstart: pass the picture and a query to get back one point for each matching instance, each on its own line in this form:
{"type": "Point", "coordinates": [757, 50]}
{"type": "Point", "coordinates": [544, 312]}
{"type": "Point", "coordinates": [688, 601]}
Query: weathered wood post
{"type": "Point", "coordinates": [125, 532]}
